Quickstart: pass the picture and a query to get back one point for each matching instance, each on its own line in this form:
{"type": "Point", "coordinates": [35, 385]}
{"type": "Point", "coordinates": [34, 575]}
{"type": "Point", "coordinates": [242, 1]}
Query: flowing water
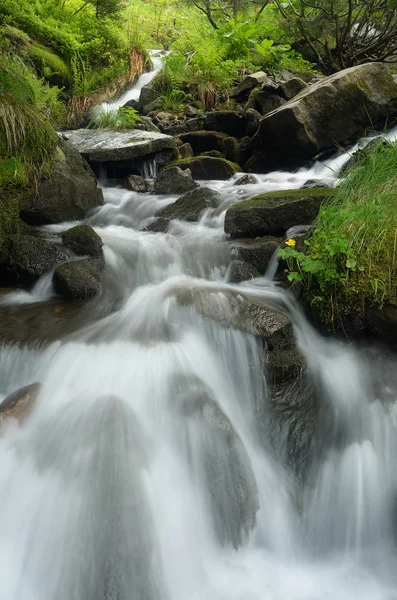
{"type": "Point", "coordinates": [156, 463]}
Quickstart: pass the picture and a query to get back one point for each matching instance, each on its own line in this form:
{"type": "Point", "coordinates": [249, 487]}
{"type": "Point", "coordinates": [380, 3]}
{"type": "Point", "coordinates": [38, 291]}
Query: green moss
{"type": "Point", "coordinates": [282, 196]}
{"type": "Point", "coordinates": [17, 37]}
{"type": "Point", "coordinates": [9, 212]}
{"type": "Point", "coordinates": [47, 62]}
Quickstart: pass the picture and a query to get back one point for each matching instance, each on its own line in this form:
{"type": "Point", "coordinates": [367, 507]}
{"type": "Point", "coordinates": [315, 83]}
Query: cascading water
{"type": "Point", "coordinates": [148, 468]}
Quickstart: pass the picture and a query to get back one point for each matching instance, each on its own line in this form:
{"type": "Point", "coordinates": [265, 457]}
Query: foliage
{"type": "Point", "coordinates": [340, 34]}
{"type": "Point", "coordinates": [174, 100]}
{"type": "Point", "coordinates": [123, 118]}
{"type": "Point", "coordinates": [352, 255]}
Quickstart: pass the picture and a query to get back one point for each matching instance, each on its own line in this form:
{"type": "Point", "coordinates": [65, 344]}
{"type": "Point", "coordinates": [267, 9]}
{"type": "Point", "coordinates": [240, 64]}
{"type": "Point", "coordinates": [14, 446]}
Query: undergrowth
{"type": "Point", "coordinates": [122, 118]}
{"type": "Point", "coordinates": [351, 258]}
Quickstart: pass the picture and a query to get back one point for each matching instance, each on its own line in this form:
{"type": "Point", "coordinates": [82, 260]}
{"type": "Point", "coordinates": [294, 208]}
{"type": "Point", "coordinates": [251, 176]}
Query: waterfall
{"type": "Point", "coordinates": [155, 463]}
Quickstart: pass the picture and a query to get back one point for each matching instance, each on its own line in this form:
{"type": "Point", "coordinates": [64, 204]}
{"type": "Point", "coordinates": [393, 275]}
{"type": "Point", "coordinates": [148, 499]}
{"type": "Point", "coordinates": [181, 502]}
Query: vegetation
{"type": "Point", "coordinates": [123, 118]}
{"type": "Point", "coordinates": [351, 258]}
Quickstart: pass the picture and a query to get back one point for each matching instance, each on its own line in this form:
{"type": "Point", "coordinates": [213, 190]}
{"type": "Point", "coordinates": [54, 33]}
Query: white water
{"type": "Point", "coordinates": [146, 470]}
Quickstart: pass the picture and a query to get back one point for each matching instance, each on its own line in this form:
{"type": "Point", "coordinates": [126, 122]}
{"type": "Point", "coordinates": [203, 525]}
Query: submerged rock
{"type": "Point", "coordinates": [241, 271]}
{"type": "Point", "coordinates": [173, 180]}
{"type": "Point", "coordinates": [18, 405]}
{"type": "Point", "coordinates": [68, 194]}
{"type": "Point", "coordinates": [208, 167]}
{"type": "Point", "coordinates": [327, 113]}
{"type": "Point", "coordinates": [83, 240]}
{"type": "Point", "coordinates": [274, 212]}
{"type": "Point", "coordinates": [79, 279]}
{"type": "Point", "coordinates": [191, 205]}
{"type": "Point", "coordinates": [136, 183]}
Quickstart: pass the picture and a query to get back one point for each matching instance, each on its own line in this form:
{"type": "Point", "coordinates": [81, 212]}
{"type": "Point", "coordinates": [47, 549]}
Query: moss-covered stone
{"type": "Point", "coordinates": [257, 252]}
{"type": "Point", "coordinates": [274, 212]}
{"type": "Point", "coordinates": [83, 241]}
{"type": "Point", "coordinates": [29, 258]}
{"type": "Point", "coordinates": [192, 205]}
{"type": "Point", "coordinates": [78, 280]}
{"type": "Point", "coordinates": [207, 167]}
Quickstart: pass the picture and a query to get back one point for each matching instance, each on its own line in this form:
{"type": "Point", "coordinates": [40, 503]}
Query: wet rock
{"type": "Point", "coordinates": [265, 100]}
{"type": "Point", "coordinates": [152, 107]}
{"type": "Point", "coordinates": [83, 241]}
{"type": "Point", "coordinates": [207, 168]}
{"type": "Point", "coordinates": [382, 323]}
{"type": "Point", "coordinates": [159, 225]}
{"type": "Point", "coordinates": [78, 280]}
{"type": "Point", "coordinates": [18, 405]}
{"type": "Point", "coordinates": [111, 146]}
{"type": "Point", "coordinates": [146, 124]}
{"type": "Point", "coordinates": [30, 257]}
{"type": "Point", "coordinates": [329, 112]}
{"type": "Point", "coordinates": [205, 141]}
{"type": "Point", "coordinates": [166, 157]}
{"type": "Point", "coordinates": [185, 151]}
{"type": "Point", "coordinates": [174, 181]}
{"type": "Point", "coordinates": [68, 194]}
{"type": "Point", "coordinates": [257, 252]}
{"type": "Point", "coordinates": [147, 95]}
{"type": "Point", "coordinates": [241, 271]}
{"type": "Point", "coordinates": [375, 145]}
{"type": "Point", "coordinates": [131, 104]}
{"type": "Point", "coordinates": [246, 180]}
{"type": "Point", "coordinates": [314, 183]}
{"type": "Point", "coordinates": [192, 205]}
{"type": "Point", "coordinates": [249, 82]}
{"type": "Point", "coordinates": [274, 212]}
{"type": "Point", "coordinates": [292, 87]}
{"type": "Point", "coordinates": [179, 127]}
{"type": "Point", "coordinates": [213, 153]}
{"type": "Point", "coordinates": [135, 183]}
{"type": "Point", "coordinates": [284, 363]}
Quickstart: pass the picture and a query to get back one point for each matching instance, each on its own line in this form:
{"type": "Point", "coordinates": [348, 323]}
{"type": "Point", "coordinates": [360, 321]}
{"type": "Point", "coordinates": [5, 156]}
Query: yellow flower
{"type": "Point", "coordinates": [291, 243]}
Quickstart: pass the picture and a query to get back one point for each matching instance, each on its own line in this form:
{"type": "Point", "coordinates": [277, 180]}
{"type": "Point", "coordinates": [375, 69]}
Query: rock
{"type": "Point", "coordinates": [382, 322]}
{"type": "Point", "coordinates": [207, 167]}
{"type": "Point", "coordinates": [174, 181]}
{"type": "Point", "coordinates": [79, 279]}
{"type": "Point", "coordinates": [152, 107]}
{"type": "Point", "coordinates": [249, 82]}
{"type": "Point", "coordinates": [246, 180]}
{"type": "Point", "coordinates": [165, 157]}
{"type": "Point", "coordinates": [213, 153]}
{"type": "Point", "coordinates": [274, 212]}
{"type": "Point", "coordinates": [191, 111]}
{"type": "Point", "coordinates": [360, 155]}
{"type": "Point", "coordinates": [179, 127]}
{"type": "Point", "coordinates": [327, 113]}
{"type": "Point", "coordinates": [147, 96]}
{"type": "Point", "coordinates": [266, 102]}
{"type": "Point", "coordinates": [205, 141]}
{"type": "Point", "coordinates": [132, 104]}
{"type": "Point", "coordinates": [135, 183]}
{"type": "Point", "coordinates": [31, 257]}
{"type": "Point", "coordinates": [146, 124]}
{"type": "Point", "coordinates": [241, 271]}
{"type": "Point", "coordinates": [185, 151]}
{"type": "Point", "coordinates": [83, 241]}
{"type": "Point", "coordinates": [292, 87]}
{"type": "Point", "coordinates": [252, 117]}
{"type": "Point", "coordinates": [226, 121]}
{"type": "Point", "coordinates": [68, 194]}
{"type": "Point", "coordinates": [191, 205]}
{"type": "Point", "coordinates": [107, 145]}
{"type": "Point", "coordinates": [314, 183]}
{"type": "Point", "coordinates": [284, 363]}
{"type": "Point", "coordinates": [19, 404]}
{"type": "Point", "coordinates": [159, 225]}
{"type": "Point", "coordinates": [257, 252]}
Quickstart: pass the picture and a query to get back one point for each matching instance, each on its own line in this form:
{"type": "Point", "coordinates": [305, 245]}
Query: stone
{"type": "Point", "coordinates": [191, 111]}
{"type": "Point", "coordinates": [146, 124]}
{"type": "Point", "coordinates": [179, 127]}
{"type": "Point", "coordinates": [241, 271]}
{"type": "Point", "coordinates": [31, 257]}
{"type": "Point", "coordinates": [18, 405]}
{"type": "Point", "coordinates": [79, 279]}
{"type": "Point", "coordinates": [226, 121]}
{"type": "Point", "coordinates": [252, 117]}
{"type": "Point", "coordinates": [132, 104]}
{"type": "Point", "coordinates": [246, 180]}
{"type": "Point", "coordinates": [152, 107]}
{"type": "Point", "coordinates": [325, 114]}
{"type": "Point", "coordinates": [292, 87]}
{"type": "Point", "coordinates": [192, 205]}
{"type": "Point", "coordinates": [185, 151]}
{"type": "Point", "coordinates": [165, 157]}
{"type": "Point", "coordinates": [274, 212]}
{"type": "Point", "coordinates": [68, 194]}
{"type": "Point", "coordinates": [136, 183]}
{"type": "Point", "coordinates": [107, 145]}
{"type": "Point", "coordinates": [314, 183]}
{"type": "Point", "coordinates": [257, 252]}
{"type": "Point", "coordinates": [284, 363]}
{"type": "Point", "coordinates": [83, 241]}
{"type": "Point", "coordinates": [208, 167]}
{"type": "Point", "coordinates": [147, 96]}
{"type": "Point", "coordinates": [249, 82]}
{"type": "Point", "coordinates": [173, 180]}
{"type": "Point", "coordinates": [205, 141]}
{"type": "Point", "coordinates": [267, 102]}
{"type": "Point", "coordinates": [159, 225]}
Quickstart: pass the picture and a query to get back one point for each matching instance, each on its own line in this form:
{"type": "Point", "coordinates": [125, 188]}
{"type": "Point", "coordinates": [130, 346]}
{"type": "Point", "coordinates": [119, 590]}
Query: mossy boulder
{"type": "Point", "coordinates": [257, 252]}
{"type": "Point", "coordinates": [192, 205]}
{"type": "Point", "coordinates": [83, 241]}
{"type": "Point", "coordinates": [67, 194]}
{"type": "Point", "coordinates": [79, 279]}
{"type": "Point", "coordinates": [327, 113]}
{"type": "Point", "coordinates": [274, 212]}
{"type": "Point", "coordinates": [226, 121]}
{"type": "Point", "coordinates": [29, 258]}
{"type": "Point", "coordinates": [208, 167]}
{"type": "Point", "coordinates": [49, 65]}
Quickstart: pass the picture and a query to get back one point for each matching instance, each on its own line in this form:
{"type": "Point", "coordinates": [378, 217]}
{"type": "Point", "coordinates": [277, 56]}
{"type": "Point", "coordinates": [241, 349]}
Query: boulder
{"type": "Point", "coordinates": [265, 100]}
{"type": "Point", "coordinates": [249, 82]}
{"type": "Point", "coordinates": [241, 271]}
{"type": "Point", "coordinates": [226, 121]}
{"type": "Point", "coordinates": [177, 128]}
{"type": "Point", "coordinates": [147, 95]}
{"type": "Point", "coordinates": [146, 124]}
{"type": "Point", "coordinates": [292, 87]}
{"type": "Point", "coordinates": [252, 117]}
{"type": "Point", "coordinates": [79, 279]}
{"type": "Point", "coordinates": [19, 404]}
{"type": "Point", "coordinates": [314, 183]}
{"type": "Point", "coordinates": [83, 241]}
{"type": "Point", "coordinates": [327, 113]}
{"type": "Point", "coordinates": [165, 157]}
{"type": "Point", "coordinates": [274, 212]}
{"type": "Point", "coordinates": [106, 145]}
{"type": "Point", "coordinates": [131, 104]}
{"type": "Point", "coordinates": [205, 141]}
{"type": "Point", "coordinates": [30, 257]}
{"type": "Point", "coordinates": [257, 253]}
{"type": "Point", "coordinates": [284, 363]}
{"type": "Point", "coordinates": [68, 194]}
{"type": "Point", "coordinates": [246, 180]}
{"type": "Point", "coordinates": [208, 167]}
{"type": "Point", "coordinates": [136, 183]}
{"type": "Point", "coordinates": [191, 205]}
{"type": "Point", "coordinates": [159, 225]}
{"type": "Point", "coordinates": [185, 151]}
{"type": "Point", "coordinates": [174, 181]}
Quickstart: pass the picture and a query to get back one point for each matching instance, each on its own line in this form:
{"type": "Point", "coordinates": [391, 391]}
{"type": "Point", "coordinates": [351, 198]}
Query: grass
{"type": "Point", "coordinates": [122, 118]}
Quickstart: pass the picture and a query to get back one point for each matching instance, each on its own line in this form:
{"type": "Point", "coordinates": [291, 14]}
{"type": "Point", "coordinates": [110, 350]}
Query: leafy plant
{"type": "Point", "coordinates": [174, 100]}
{"type": "Point", "coordinates": [122, 118]}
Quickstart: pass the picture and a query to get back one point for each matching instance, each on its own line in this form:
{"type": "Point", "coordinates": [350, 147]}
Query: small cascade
{"type": "Point", "coordinates": [149, 168]}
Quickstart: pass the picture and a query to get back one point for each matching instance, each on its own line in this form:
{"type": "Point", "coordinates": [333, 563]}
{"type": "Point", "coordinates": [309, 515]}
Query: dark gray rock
{"type": "Point", "coordinates": [131, 104]}
{"type": "Point", "coordinates": [79, 279]}
{"type": "Point", "coordinates": [248, 83]}
{"type": "Point", "coordinates": [314, 183]}
{"type": "Point", "coordinates": [292, 87]}
{"type": "Point", "coordinates": [252, 117]}
{"type": "Point", "coordinates": [83, 241]}
{"type": "Point", "coordinates": [241, 271]}
{"type": "Point", "coordinates": [159, 225]}
{"type": "Point", "coordinates": [246, 180]}
{"type": "Point", "coordinates": [226, 121]}
{"type": "Point", "coordinates": [147, 96]}
{"type": "Point", "coordinates": [174, 181]}
{"type": "Point", "coordinates": [208, 167]}
{"type": "Point", "coordinates": [135, 183]}
{"type": "Point", "coordinates": [31, 257]}
{"type": "Point", "coordinates": [192, 204]}
{"type": "Point", "coordinates": [284, 363]}
{"type": "Point", "coordinates": [206, 141]}
{"type": "Point", "coordinates": [257, 252]}
{"type": "Point", "coordinates": [185, 151]}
